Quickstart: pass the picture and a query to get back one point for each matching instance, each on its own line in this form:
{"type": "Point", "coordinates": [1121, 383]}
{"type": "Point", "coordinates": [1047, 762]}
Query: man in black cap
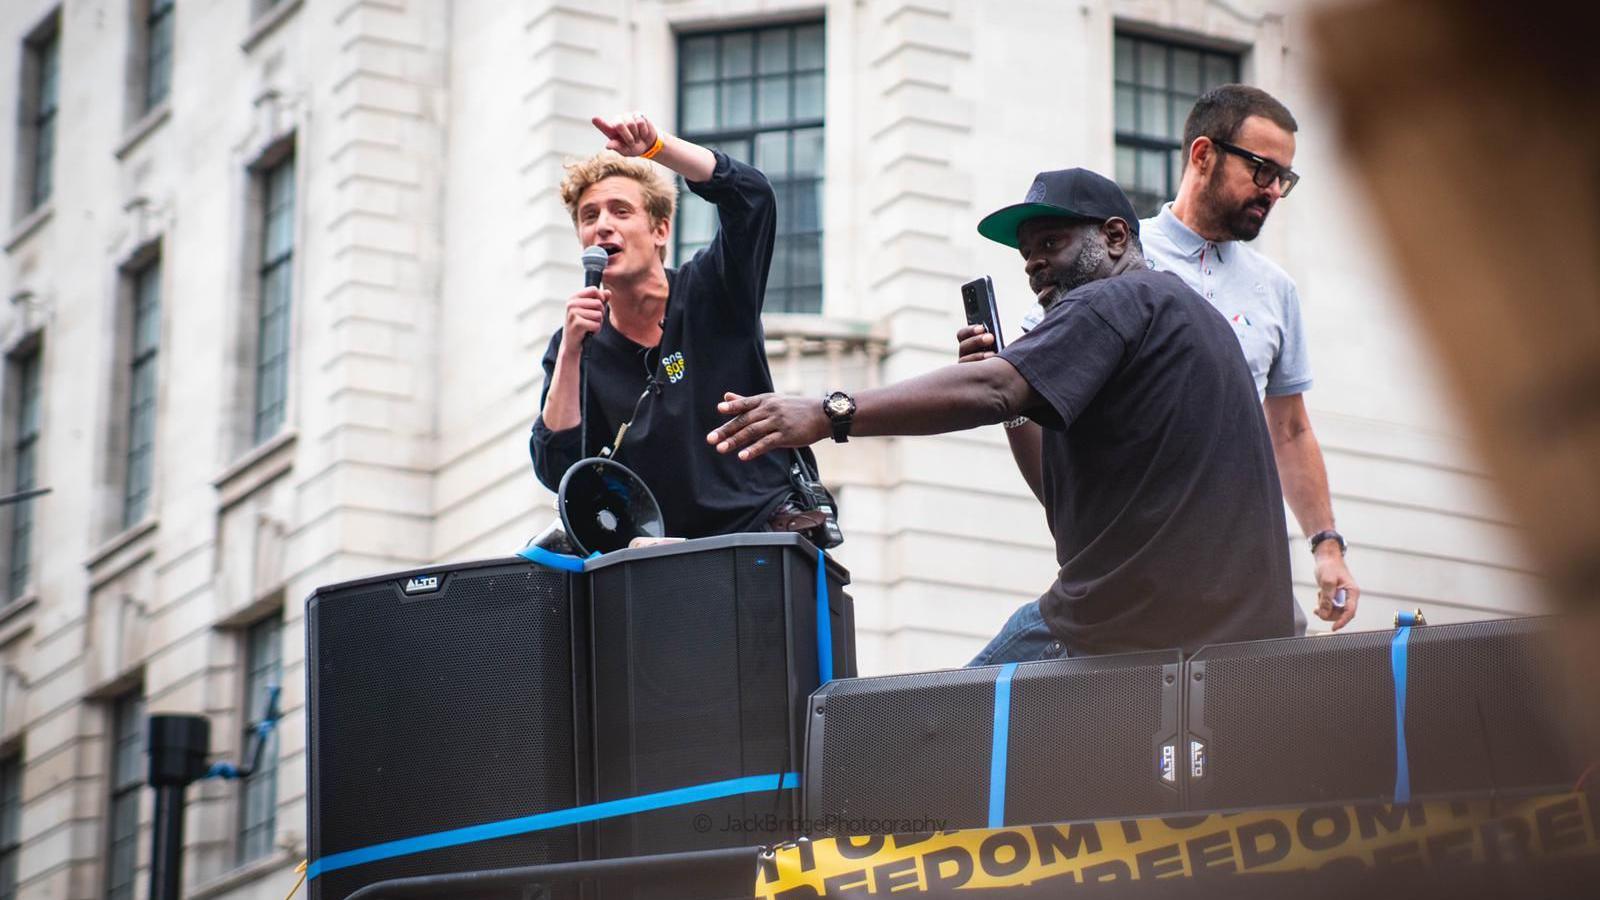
{"type": "Point", "coordinates": [1155, 468]}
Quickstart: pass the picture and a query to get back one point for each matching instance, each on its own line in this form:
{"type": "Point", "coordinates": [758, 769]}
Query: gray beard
{"type": "Point", "coordinates": [1085, 268]}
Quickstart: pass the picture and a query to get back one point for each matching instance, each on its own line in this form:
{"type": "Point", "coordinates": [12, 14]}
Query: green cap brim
{"type": "Point", "coordinates": [1001, 225]}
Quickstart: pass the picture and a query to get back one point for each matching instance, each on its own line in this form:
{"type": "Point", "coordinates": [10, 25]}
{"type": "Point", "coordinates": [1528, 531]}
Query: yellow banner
{"type": "Point", "coordinates": [1371, 836]}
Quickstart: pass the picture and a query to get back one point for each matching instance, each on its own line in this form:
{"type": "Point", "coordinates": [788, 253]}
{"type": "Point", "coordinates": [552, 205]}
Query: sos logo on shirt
{"type": "Point", "coordinates": [675, 367]}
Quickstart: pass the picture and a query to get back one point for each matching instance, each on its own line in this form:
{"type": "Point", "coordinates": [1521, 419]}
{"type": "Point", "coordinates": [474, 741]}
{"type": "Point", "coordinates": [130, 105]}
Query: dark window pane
{"type": "Point", "coordinates": [738, 55]}
{"type": "Point", "coordinates": [10, 823]}
{"type": "Point", "coordinates": [808, 97]}
{"type": "Point", "coordinates": [1152, 175]}
{"type": "Point", "coordinates": [1221, 70]}
{"type": "Point", "coordinates": [805, 206]}
{"type": "Point", "coordinates": [1181, 104]}
{"type": "Point", "coordinates": [699, 108]}
{"type": "Point", "coordinates": [1126, 162]}
{"type": "Point", "coordinates": [807, 260]}
{"type": "Point", "coordinates": [699, 56]}
{"type": "Point", "coordinates": [772, 154]}
{"type": "Point", "coordinates": [127, 782]}
{"type": "Point", "coordinates": [772, 51]}
{"type": "Point", "coordinates": [1186, 71]}
{"type": "Point", "coordinates": [772, 101]}
{"type": "Point", "coordinates": [142, 393]}
{"type": "Point", "coordinates": [738, 104]}
{"type": "Point", "coordinates": [781, 251]}
{"type": "Point", "coordinates": [158, 53]}
{"type": "Point", "coordinates": [1153, 114]}
{"type": "Point", "coordinates": [697, 220]}
{"type": "Point", "coordinates": [1152, 64]}
{"type": "Point", "coordinates": [1122, 55]}
{"type": "Point", "coordinates": [1127, 108]}
{"type": "Point", "coordinates": [44, 60]}
{"type": "Point", "coordinates": [259, 792]}
{"type": "Point", "coordinates": [25, 375]}
{"type": "Point", "coordinates": [809, 51]}
{"type": "Point", "coordinates": [275, 290]}
{"type": "Point", "coordinates": [808, 152]}
{"type": "Point", "coordinates": [738, 149]}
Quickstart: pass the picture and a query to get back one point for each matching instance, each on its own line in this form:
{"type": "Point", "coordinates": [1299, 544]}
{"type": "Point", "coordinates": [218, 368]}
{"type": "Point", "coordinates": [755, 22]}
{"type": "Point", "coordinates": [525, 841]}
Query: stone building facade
{"type": "Point", "coordinates": [277, 275]}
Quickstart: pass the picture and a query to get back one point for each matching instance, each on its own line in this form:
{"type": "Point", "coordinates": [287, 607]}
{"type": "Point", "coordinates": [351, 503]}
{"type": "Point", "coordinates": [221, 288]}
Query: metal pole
{"type": "Point", "coordinates": [166, 856]}
{"type": "Point", "coordinates": [178, 746]}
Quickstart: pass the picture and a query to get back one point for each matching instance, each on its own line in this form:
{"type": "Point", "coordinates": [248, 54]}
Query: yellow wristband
{"type": "Point", "coordinates": [654, 149]}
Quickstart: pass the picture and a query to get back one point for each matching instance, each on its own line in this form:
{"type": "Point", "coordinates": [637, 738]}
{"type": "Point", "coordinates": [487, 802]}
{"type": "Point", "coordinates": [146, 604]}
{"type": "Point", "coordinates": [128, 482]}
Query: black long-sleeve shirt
{"type": "Point", "coordinates": [712, 342]}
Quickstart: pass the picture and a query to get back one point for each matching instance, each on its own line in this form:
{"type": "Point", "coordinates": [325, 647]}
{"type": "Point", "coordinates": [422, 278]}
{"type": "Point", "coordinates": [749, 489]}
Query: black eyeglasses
{"type": "Point", "coordinates": [1266, 171]}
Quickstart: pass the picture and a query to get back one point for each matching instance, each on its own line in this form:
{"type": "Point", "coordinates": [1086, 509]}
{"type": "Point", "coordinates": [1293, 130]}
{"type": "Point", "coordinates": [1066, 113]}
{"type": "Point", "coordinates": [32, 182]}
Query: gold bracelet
{"type": "Point", "coordinates": [654, 149]}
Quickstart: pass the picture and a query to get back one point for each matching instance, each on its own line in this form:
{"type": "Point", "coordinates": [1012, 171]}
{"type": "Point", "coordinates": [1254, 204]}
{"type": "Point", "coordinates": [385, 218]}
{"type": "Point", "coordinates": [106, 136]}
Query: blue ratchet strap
{"type": "Point", "coordinates": [489, 831]}
{"type": "Point", "coordinates": [824, 623]}
{"type": "Point", "coordinates": [1398, 647]}
{"type": "Point", "coordinates": [539, 556]}
{"type": "Point", "coordinates": [999, 749]}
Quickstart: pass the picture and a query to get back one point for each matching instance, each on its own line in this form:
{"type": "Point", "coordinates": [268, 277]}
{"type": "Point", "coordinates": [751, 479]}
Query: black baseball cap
{"type": "Point", "coordinates": [1064, 193]}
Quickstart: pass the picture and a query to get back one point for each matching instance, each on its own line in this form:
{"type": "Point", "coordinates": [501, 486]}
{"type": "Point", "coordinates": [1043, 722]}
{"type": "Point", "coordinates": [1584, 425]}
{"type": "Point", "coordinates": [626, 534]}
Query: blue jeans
{"type": "Point", "coordinates": [1024, 638]}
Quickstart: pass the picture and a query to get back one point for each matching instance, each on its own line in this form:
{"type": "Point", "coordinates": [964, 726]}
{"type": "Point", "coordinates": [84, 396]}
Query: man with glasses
{"type": "Point", "coordinates": [1239, 146]}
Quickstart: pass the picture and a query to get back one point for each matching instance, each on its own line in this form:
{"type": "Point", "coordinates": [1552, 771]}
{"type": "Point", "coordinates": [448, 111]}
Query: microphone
{"type": "Point", "coordinates": [594, 261]}
{"type": "Point", "coordinates": [594, 265]}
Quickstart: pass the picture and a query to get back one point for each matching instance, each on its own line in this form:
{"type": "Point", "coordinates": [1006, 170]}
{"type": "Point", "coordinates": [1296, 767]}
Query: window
{"type": "Point", "coordinates": [157, 53]}
{"type": "Point", "coordinates": [757, 95]}
{"type": "Point", "coordinates": [41, 80]}
{"type": "Point", "coordinates": [146, 342]}
{"type": "Point", "coordinates": [25, 372]}
{"type": "Point", "coordinates": [1157, 83]}
{"type": "Point", "coordinates": [274, 288]}
{"type": "Point", "coordinates": [10, 823]}
{"type": "Point", "coordinates": [258, 797]}
{"type": "Point", "coordinates": [127, 777]}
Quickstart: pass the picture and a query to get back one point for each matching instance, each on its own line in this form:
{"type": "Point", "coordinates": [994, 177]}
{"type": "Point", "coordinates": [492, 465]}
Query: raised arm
{"type": "Point", "coordinates": [632, 134]}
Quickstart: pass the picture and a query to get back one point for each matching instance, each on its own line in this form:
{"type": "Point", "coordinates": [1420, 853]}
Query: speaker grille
{"type": "Point", "coordinates": [437, 712]}
{"type": "Point", "coordinates": [1301, 720]}
{"type": "Point", "coordinates": [902, 747]}
{"type": "Point", "coordinates": [703, 657]}
{"type": "Point", "coordinates": [1483, 708]}
{"type": "Point", "coordinates": [1312, 719]}
{"type": "Point", "coordinates": [1083, 738]}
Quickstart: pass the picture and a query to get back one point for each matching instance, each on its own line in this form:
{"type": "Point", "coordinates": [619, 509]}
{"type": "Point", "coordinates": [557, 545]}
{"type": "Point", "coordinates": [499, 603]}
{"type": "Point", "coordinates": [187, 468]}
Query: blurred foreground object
{"type": "Point", "coordinates": [1474, 127]}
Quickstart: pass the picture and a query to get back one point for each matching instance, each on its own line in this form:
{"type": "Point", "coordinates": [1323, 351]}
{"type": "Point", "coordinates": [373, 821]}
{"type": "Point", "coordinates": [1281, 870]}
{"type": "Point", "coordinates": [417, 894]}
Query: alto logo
{"type": "Point", "coordinates": [422, 584]}
{"type": "Point", "coordinates": [1197, 759]}
{"type": "Point", "coordinates": [1169, 763]}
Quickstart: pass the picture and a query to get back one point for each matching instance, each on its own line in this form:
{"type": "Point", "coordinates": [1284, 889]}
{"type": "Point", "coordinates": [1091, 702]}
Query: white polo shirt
{"type": "Point", "coordinates": [1256, 297]}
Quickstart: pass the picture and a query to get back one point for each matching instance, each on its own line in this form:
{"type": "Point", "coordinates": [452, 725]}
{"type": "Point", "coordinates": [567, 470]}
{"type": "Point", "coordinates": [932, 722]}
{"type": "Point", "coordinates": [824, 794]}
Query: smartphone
{"type": "Point", "coordinates": [977, 296]}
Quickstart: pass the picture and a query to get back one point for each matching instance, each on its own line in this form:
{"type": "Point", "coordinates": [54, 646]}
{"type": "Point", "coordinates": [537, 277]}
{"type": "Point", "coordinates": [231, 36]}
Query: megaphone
{"type": "Point", "coordinates": [602, 505]}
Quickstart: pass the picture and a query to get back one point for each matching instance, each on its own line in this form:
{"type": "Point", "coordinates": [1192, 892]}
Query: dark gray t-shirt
{"type": "Point", "coordinates": [1159, 481]}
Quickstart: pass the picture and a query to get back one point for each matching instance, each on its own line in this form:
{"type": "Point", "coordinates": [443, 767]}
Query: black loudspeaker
{"type": "Point", "coordinates": [703, 655]}
{"type": "Point", "coordinates": [1078, 738]}
{"type": "Point", "coordinates": [1313, 720]}
{"type": "Point", "coordinates": [440, 699]}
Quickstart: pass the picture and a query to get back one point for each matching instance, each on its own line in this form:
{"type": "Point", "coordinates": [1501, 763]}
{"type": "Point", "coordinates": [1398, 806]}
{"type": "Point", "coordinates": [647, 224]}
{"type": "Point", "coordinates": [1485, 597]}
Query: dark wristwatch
{"type": "Point", "coordinates": [840, 408]}
{"type": "Point", "coordinates": [1328, 535]}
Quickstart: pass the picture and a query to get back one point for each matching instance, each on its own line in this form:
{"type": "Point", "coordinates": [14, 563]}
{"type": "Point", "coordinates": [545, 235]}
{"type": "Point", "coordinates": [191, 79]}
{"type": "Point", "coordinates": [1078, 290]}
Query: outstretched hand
{"type": "Point", "coordinates": [768, 422]}
{"type": "Point", "coordinates": [630, 134]}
